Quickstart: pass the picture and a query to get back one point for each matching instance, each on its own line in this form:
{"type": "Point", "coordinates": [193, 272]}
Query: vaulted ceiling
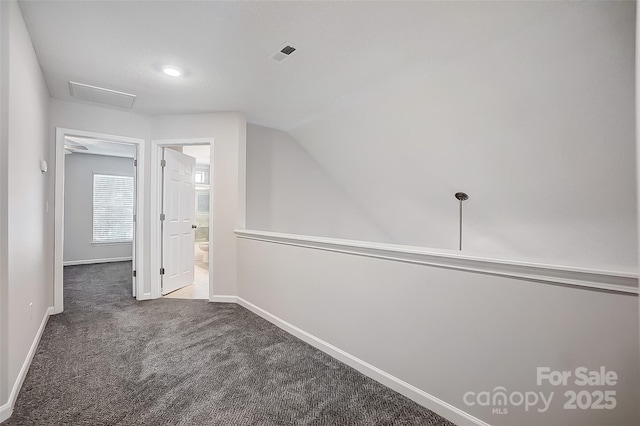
{"type": "Point", "coordinates": [224, 48]}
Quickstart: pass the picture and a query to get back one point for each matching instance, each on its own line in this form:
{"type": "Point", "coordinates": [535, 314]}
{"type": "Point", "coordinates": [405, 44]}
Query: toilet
{"type": "Point", "coordinates": [205, 248]}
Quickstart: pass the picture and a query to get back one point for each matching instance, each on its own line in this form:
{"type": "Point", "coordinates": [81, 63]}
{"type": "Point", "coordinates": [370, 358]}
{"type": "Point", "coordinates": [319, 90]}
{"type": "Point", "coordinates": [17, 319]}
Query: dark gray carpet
{"type": "Point", "coordinates": [110, 360]}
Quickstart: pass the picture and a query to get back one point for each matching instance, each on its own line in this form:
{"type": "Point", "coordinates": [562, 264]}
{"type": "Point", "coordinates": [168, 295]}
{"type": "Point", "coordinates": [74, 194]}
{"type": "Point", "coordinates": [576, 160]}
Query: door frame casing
{"type": "Point", "coordinates": [156, 208]}
{"type": "Point", "coordinates": [58, 267]}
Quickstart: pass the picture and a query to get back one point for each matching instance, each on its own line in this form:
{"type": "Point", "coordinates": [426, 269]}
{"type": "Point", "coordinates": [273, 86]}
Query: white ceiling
{"type": "Point", "coordinates": [224, 49]}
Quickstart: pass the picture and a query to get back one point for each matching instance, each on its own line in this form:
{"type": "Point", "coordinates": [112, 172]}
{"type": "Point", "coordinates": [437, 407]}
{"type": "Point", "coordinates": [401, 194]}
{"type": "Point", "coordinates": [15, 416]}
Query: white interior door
{"type": "Point", "coordinates": [178, 206]}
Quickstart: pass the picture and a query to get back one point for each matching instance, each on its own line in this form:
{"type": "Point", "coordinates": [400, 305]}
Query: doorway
{"type": "Point", "coordinates": [109, 206]}
{"type": "Point", "coordinates": [182, 189]}
{"type": "Point", "coordinates": [186, 269]}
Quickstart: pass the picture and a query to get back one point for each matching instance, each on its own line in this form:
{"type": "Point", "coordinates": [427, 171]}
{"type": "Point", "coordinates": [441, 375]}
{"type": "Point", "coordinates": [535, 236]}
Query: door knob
{"type": "Point", "coordinates": [194, 226]}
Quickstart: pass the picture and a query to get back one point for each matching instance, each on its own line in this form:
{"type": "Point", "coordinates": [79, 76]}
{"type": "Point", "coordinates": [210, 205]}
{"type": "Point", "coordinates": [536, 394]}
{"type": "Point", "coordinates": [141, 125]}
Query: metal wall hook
{"type": "Point", "coordinates": [461, 196]}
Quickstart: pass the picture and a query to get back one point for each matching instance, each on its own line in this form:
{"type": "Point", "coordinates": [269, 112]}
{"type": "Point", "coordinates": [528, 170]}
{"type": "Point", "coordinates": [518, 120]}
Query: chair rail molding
{"type": "Point", "coordinates": [599, 280]}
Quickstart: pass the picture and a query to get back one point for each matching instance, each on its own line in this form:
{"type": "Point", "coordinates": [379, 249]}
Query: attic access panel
{"type": "Point", "coordinates": [101, 95]}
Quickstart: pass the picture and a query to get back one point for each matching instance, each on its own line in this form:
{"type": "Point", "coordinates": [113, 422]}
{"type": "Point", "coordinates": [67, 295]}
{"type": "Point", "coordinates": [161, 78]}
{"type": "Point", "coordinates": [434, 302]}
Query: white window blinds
{"type": "Point", "coordinates": [112, 208]}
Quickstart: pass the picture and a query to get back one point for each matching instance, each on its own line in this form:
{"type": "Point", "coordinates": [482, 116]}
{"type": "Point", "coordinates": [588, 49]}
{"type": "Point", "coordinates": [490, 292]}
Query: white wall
{"type": "Point", "coordinates": [287, 191]}
{"type": "Point", "coordinates": [98, 119]}
{"type": "Point", "coordinates": [229, 133]}
{"type": "Point", "coordinates": [637, 92]}
{"type": "Point", "coordinates": [78, 217]}
{"type": "Point", "coordinates": [448, 332]}
{"type": "Point", "coordinates": [4, 192]}
{"type": "Point", "coordinates": [537, 127]}
{"type": "Point", "coordinates": [29, 260]}
{"type": "Point", "coordinates": [91, 118]}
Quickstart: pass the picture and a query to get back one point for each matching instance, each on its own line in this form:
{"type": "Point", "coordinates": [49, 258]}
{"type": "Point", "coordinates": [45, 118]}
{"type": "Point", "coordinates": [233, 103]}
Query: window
{"type": "Point", "coordinates": [202, 201]}
{"type": "Point", "coordinates": [112, 208]}
{"type": "Point", "coordinates": [201, 176]}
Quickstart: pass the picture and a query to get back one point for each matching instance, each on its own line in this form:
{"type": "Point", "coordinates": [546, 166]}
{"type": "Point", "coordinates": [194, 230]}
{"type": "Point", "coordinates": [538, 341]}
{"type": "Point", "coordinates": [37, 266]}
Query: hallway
{"type": "Point", "coordinates": [111, 360]}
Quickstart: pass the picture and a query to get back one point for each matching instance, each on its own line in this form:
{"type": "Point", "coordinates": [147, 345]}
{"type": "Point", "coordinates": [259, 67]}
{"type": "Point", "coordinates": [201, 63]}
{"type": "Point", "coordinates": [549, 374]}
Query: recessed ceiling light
{"type": "Point", "coordinates": [172, 71]}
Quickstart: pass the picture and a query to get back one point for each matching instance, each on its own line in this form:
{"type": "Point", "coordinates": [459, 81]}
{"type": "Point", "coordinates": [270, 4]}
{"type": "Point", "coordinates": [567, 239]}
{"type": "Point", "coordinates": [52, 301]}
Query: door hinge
{"type": "Point", "coordinates": [135, 163]}
{"type": "Point", "coordinates": [162, 216]}
{"type": "Point", "coordinates": [163, 163]}
{"type": "Point", "coordinates": [134, 217]}
{"type": "Point", "coordinates": [134, 273]}
{"type": "Point", "coordinates": [161, 271]}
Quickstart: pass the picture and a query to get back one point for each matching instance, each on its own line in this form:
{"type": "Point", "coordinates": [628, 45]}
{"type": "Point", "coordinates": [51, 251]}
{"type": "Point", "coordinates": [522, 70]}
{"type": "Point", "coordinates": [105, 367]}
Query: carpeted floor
{"type": "Point", "coordinates": [110, 360]}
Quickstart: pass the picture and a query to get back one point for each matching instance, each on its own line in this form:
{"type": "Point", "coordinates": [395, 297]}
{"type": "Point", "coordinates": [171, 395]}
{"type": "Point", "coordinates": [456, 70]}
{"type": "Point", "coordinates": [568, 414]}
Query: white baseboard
{"type": "Point", "coordinates": [7, 409]}
{"type": "Point", "coordinates": [438, 406]}
{"type": "Point", "coordinates": [224, 299]}
{"type": "Point", "coordinates": [91, 261]}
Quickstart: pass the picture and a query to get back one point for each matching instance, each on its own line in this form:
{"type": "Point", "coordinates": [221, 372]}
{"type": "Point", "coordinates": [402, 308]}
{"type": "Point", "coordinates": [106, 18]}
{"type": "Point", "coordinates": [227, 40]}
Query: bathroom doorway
{"type": "Point", "coordinates": [182, 254]}
{"type": "Point", "coordinates": [201, 179]}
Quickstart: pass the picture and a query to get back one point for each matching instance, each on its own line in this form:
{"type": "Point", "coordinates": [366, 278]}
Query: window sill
{"type": "Point", "coordinates": [111, 243]}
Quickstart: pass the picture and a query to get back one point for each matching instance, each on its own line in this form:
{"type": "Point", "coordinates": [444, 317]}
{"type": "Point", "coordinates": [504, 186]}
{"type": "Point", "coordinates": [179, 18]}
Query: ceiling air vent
{"type": "Point", "coordinates": [101, 96]}
{"type": "Point", "coordinates": [283, 53]}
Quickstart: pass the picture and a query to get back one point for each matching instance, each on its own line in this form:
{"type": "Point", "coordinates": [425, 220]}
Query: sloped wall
{"type": "Point", "coordinates": [287, 191]}
{"type": "Point", "coordinates": [538, 128]}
